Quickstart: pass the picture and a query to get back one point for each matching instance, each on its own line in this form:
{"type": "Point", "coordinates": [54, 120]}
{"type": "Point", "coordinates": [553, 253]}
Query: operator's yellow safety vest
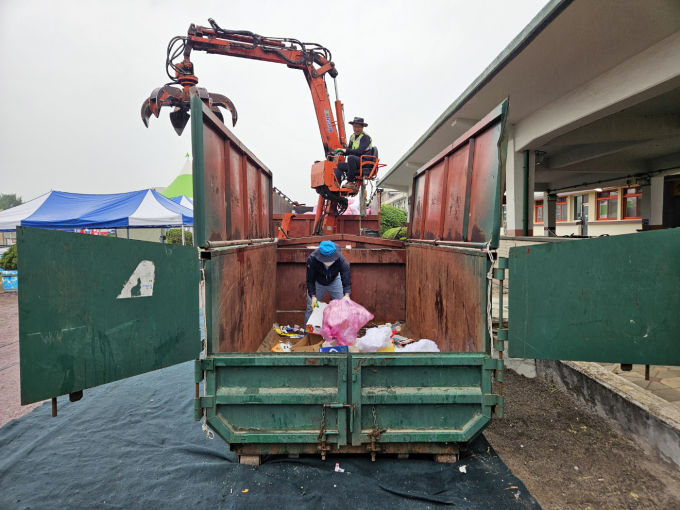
{"type": "Point", "coordinates": [355, 141]}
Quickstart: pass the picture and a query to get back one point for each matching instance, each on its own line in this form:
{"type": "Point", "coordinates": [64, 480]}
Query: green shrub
{"type": "Point", "coordinates": [8, 261]}
{"type": "Point", "coordinates": [174, 236]}
{"type": "Point", "coordinates": [389, 234]}
{"type": "Point", "coordinates": [390, 217]}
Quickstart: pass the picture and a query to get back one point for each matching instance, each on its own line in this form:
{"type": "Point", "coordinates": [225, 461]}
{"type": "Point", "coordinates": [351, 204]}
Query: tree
{"type": "Point", "coordinates": [174, 236]}
{"type": "Point", "coordinates": [9, 201]}
{"type": "Point", "coordinates": [8, 261]}
{"type": "Point", "coordinates": [390, 217]}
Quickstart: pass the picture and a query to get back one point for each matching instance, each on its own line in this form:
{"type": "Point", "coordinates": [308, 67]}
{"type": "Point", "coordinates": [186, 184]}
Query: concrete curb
{"type": "Point", "coordinates": [648, 420]}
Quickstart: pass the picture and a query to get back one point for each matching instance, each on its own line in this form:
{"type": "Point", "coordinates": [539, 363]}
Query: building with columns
{"type": "Point", "coordinates": [594, 139]}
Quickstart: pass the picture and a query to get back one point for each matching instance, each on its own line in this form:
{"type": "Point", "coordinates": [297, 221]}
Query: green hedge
{"type": "Point", "coordinates": [390, 217]}
{"type": "Point", "coordinates": [389, 234]}
{"type": "Point", "coordinates": [8, 261]}
{"type": "Point", "coordinates": [174, 236]}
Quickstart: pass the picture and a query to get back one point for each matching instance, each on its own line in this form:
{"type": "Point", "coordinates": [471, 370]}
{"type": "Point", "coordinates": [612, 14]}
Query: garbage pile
{"type": "Point", "coordinates": [334, 327]}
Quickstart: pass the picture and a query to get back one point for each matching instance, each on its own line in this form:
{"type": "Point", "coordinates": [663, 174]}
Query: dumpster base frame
{"type": "Point", "coordinates": [442, 452]}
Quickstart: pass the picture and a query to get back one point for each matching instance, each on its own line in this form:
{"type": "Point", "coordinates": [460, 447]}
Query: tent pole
{"type": "Point", "coordinates": [127, 229]}
{"type": "Point", "coordinates": [183, 243]}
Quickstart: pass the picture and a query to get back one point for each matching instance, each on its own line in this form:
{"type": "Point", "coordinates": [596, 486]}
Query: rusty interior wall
{"type": "Point", "coordinates": [237, 189]}
{"type": "Point", "coordinates": [378, 281]}
{"type": "Point", "coordinates": [241, 297]}
{"type": "Point", "coordinates": [303, 224]}
{"type": "Point", "coordinates": [446, 296]}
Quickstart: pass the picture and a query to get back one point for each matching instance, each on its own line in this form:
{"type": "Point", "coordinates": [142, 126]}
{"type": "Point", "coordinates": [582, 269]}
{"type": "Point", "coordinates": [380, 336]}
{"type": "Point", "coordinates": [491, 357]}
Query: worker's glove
{"type": "Point", "coordinates": [315, 303]}
{"type": "Point", "coordinates": [346, 296]}
{"type": "Point", "coordinates": [339, 151]}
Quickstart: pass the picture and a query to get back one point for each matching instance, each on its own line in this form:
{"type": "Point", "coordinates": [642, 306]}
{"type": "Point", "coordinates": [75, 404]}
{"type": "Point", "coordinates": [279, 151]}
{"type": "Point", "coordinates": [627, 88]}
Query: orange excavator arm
{"type": "Point", "coordinates": [312, 59]}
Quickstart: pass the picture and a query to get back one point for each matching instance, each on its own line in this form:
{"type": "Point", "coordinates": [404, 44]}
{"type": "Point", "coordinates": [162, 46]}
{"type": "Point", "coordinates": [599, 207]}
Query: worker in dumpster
{"type": "Point", "coordinates": [327, 270]}
{"type": "Point", "coordinates": [360, 144]}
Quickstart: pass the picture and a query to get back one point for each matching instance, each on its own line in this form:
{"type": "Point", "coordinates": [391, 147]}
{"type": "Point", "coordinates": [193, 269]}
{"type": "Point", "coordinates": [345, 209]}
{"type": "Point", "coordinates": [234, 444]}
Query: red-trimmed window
{"type": "Point", "coordinates": [561, 209]}
{"type": "Point", "coordinates": [631, 203]}
{"type": "Point", "coordinates": [538, 215]}
{"type": "Point", "coordinates": [607, 203]}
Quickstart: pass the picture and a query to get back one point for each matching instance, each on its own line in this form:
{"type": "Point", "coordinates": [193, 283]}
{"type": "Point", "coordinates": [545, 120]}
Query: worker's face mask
{"type": "Point", "coordinates": [328, 264]}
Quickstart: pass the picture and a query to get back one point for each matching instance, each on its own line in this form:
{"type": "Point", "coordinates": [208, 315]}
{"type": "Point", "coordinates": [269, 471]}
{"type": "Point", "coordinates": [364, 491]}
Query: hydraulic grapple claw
{"type": "Point", "coordinates": [180, 100]}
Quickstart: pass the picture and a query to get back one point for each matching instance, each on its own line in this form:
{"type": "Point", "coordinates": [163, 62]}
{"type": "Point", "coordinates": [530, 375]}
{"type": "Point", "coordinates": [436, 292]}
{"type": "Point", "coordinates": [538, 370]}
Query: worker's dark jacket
{"type": "Point", "coordinates": [364, 143]}
{"type": "Point", "coordinates": [318, 272]}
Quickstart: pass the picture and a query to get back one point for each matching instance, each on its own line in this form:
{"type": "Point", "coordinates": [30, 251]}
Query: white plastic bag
{"type": "Point", "coordinates": [375, 339]}
{"type": "Point", "coordinates": [419, 346]}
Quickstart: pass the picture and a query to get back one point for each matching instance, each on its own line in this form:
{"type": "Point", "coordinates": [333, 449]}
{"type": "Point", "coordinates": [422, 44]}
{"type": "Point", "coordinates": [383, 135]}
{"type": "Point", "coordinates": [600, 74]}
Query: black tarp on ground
{"type": "Point", "coordinates": [134, 444]}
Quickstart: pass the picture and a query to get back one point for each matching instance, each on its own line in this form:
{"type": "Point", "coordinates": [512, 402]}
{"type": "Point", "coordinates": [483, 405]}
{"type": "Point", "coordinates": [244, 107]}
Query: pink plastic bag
{"type": "Point", "coordinates": [342, 320]}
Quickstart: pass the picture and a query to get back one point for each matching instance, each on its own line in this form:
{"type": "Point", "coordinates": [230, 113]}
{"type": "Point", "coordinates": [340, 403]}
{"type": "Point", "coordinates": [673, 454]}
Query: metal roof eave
{"type": "Point", "coordinates": [545, 16]}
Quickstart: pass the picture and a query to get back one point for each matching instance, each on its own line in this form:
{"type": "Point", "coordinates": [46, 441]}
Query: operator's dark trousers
{"type": "Point", "coordinates": [349, 168]}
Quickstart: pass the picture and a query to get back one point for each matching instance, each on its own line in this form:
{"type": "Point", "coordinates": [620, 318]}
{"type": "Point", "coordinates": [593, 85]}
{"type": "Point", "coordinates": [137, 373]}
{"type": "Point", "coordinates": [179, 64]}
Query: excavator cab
{"type": "Point", "coordinates": [332, 195]}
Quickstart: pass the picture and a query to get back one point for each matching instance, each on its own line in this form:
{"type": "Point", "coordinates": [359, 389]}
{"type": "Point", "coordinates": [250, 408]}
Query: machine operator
{"type": "Point", "coordinates": [327, 270]}
{"type": "Point", "coordinates": [360, 144]}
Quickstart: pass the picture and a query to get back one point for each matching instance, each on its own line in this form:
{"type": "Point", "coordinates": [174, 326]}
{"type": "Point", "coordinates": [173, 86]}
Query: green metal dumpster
{"type": "Point", "coordinates": [95, 310]}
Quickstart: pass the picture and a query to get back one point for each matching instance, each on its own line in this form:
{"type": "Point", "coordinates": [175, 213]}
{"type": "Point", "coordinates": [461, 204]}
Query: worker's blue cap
{"type": "Point", "coordinates": [328, 251]}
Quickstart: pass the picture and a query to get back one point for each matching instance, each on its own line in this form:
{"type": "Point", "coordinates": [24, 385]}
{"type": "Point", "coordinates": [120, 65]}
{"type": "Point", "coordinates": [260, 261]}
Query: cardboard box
{"type": "Point", "coordinates": [310, 343]}
{"type": "Point", "coordinates": [316, 319]}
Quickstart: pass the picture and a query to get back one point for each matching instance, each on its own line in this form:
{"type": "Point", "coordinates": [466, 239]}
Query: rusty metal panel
{"type": "Point", "coordinates": [236, 214]}
{"type": "Point", "coordinates": [302, 225]}
{"type": "Point", "coordinates": [435, 200]}
{"type": "Point", "coordinates": [232, 188]}
{"type": "Point", "coordinates": [446, 296]}
{"type": "Point", "coordinates": [457, 195]}
{"type": "Point", "coordinates": [417, 209]}
{"type": "Point", "coordinates": [240, 297]}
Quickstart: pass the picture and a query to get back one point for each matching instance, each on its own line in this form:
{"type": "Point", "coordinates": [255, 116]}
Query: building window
{"type": "Point", "coordinates": [539, 211]}
{"type": "Point", "coordinates": [580, 207]}
{"type": "Point", "coordinates": [607, 203]}
{"type": "Point", "coordinates": [631, 203]}
{"type": "Point", "coordinates": [561, 209]}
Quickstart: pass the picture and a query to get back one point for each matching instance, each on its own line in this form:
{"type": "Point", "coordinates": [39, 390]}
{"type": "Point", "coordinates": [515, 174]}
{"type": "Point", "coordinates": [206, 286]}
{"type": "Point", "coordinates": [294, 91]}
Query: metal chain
{"type": "Point", "coordinates": [323, 421]}
{"type": "Point", "coordinates": [376, 431]}
{"type": "Point", "coordinates": [489, 276]}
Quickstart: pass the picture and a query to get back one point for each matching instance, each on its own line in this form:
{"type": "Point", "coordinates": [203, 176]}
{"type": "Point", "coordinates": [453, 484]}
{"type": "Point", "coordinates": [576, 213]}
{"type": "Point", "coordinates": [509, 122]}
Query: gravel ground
{"type": "Point", "coordinates": [10, 406]}
{"type": "Point", "coordinates": [570, 458]}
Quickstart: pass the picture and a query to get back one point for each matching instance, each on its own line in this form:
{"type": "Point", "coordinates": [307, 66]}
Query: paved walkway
{"type": "Point", "coordinates": [663, 381]}
{"type": "Point", "coordinates": [10, 398]}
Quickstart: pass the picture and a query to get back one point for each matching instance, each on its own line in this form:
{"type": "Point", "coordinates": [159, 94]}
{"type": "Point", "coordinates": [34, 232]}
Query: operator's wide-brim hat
{"type": "Point", "coordinates": [358, 120]}
{"type": "Point", "coordinates": [331, 257]}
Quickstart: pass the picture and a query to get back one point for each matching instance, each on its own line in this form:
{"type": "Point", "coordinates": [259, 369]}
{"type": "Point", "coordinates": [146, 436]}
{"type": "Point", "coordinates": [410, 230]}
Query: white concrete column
{"type": "Point", "coordinates": [514, 189]}
{"type": "Point", "coordinates": [532, 186]}
{"type": "Point", "coordinates": [651, 207]}
{"type": "Point", "coordinates": [549, 214]}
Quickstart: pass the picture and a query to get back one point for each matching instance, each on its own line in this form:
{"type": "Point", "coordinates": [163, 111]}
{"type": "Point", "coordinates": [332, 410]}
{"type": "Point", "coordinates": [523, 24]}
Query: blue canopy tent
{"type": "Point", "coordinates": [184, 200]}
{"type": "Point", "coordinates": [66, 211]}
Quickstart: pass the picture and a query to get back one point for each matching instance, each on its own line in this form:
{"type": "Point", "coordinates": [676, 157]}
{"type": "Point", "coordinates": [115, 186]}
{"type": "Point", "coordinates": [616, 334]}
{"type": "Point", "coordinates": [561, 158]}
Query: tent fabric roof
{"type": "Point", "coordinates": [182, 184]}
{"type": "Point", "coordinates": [184, 201]}
{"type": "Point", "coordinates": [65, 211]}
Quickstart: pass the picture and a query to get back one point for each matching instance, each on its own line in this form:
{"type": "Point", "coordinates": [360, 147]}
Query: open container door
{"type": "Point", "coordinates": [95, 309]}
{"type": "Point", "coordinates": [434, 400]}
{"type": "Point", "coordinates": [257, 402]}
{"type": "Point", "coordinates": [611, 300]}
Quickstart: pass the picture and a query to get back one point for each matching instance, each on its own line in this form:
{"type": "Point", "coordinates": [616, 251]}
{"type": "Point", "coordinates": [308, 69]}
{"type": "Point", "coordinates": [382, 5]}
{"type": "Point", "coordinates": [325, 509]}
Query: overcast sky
{"type": "Point", "coordinates": [75, 74]}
